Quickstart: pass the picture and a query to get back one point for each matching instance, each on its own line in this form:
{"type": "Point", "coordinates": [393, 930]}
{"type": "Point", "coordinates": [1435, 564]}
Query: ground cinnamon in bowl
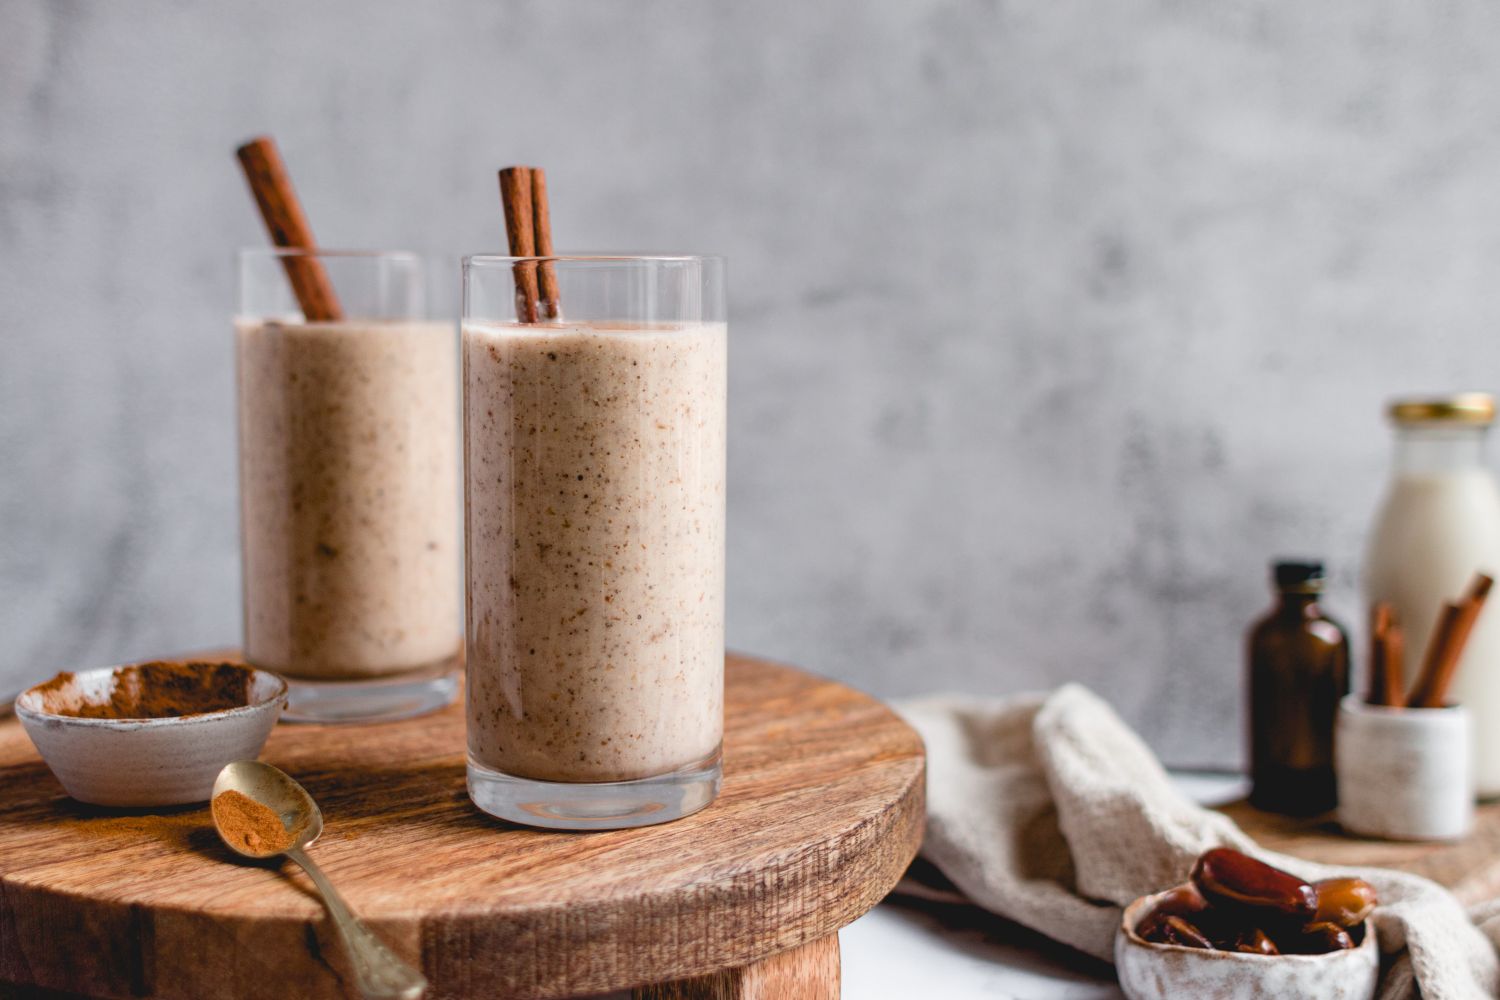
{"type": "Point", "coordinates": [150, 734]}
{"type": "Point", "coordinates": [157, 690]}
{"type": "Point", "coordinates": [248, 825]}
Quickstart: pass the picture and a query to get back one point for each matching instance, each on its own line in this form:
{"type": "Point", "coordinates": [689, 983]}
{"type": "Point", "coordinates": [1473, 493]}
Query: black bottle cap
{"type": "Point", "coordinates": [1299, 575]}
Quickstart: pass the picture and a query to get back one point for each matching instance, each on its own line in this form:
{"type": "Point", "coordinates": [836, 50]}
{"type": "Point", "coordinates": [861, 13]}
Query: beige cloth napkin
{"type": "Point", "coordinates": [1051, 812]}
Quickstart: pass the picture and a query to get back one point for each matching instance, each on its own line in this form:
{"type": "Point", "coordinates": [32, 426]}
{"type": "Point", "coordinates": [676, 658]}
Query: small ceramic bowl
{"type": "Point", "coordinates": [147, 762]}
{"type": "Point", "coordinates": [1170, 972]}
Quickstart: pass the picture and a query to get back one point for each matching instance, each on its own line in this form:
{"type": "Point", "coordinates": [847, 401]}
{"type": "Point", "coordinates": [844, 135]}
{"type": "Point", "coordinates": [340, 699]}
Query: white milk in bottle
{"type": "Point", "coordinates": [1438, 526]}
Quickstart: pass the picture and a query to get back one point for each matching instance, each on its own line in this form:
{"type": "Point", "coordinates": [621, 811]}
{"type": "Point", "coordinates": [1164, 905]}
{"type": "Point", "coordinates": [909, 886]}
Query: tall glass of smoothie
{"type": "Point", "coordinates": [594, 504]}
{"type": "Point", "coordinates": [348, 446]}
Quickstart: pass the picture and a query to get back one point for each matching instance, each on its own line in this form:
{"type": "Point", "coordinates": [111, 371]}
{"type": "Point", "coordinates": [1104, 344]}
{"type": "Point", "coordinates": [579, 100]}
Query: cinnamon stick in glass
{"type": "Point", "coordinates": [520, 233]}
{"type": "Point", "coordinates": [287, 224]}
{"type": "Point", "coordinates": [542, 237]}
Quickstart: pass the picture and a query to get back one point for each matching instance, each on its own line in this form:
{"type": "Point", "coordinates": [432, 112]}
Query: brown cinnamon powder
{"type": "Point", "coordinates": [158, 690]}
{"type": "Point", "coordinates": [248, 825]}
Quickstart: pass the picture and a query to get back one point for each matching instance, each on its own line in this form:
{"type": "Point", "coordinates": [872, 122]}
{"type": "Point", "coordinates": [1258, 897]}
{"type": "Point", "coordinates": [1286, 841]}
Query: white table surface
{"type": "Point", "coordinates": [904, 949]}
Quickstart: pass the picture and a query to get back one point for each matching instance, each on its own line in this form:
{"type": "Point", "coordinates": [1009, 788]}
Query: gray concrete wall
{"type": "Point", "coordinates": [1052, 321]}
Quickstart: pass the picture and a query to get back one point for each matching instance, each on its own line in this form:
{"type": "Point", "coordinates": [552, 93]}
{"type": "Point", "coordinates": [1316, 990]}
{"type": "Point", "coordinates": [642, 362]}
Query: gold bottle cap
{"type": "Point", "coordinates": [1460, 408]}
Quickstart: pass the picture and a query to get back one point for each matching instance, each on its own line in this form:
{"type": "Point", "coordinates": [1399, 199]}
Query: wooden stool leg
{"type": "Point", "coordinates": [810, 972]}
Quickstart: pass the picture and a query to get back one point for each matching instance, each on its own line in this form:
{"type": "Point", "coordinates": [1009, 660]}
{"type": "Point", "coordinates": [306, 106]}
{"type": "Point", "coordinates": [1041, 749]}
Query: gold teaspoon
{"type": "Point", "coordinates": [379, 973]}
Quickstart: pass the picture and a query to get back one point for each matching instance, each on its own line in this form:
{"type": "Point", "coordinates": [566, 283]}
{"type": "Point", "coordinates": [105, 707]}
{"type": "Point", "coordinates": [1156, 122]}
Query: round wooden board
{"type": "Point", "coordinates": [821, 811]}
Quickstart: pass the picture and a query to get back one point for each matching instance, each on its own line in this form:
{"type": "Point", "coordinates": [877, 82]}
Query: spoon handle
{"type": "Point", "coordinates": [379, 973]}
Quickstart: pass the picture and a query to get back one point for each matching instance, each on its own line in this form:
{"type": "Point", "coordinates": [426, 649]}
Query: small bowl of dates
{"type": "Point", "coordinates": [1243, 930]}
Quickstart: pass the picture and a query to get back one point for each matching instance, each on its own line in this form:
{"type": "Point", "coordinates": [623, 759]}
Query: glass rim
{"type": "Point", "coordinates": [329, 252]}
{"type": "Point", "coordinates": [506, 260]}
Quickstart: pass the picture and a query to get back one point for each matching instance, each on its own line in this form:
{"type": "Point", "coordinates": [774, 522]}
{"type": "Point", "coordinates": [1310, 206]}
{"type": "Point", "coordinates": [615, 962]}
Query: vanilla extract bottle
{"type": "Point", "coordinates": [1298, 673]}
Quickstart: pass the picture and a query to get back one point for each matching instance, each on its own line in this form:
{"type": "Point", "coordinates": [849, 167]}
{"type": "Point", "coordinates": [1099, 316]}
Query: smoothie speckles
{"type": "Point", "coordinates": [595, 500]}
{"type": "Point", "coordinates": [348, 482]}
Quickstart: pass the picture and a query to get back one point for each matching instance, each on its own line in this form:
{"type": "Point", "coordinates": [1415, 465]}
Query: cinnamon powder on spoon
{"type": "Point", "coordinates": [246, 823]}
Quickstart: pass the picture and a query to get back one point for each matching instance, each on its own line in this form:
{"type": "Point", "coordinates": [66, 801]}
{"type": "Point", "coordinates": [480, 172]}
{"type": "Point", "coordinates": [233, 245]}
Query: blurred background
{"type": "Point", "coordinates": [1051, 322]}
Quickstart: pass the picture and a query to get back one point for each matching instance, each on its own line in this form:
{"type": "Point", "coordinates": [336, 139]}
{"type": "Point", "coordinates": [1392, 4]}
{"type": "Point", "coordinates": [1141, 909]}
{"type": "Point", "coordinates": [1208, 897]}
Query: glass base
{"type": "Point", "coordinates": [375, 699]}
{"type": "Point", "coordinates": [605, 805]}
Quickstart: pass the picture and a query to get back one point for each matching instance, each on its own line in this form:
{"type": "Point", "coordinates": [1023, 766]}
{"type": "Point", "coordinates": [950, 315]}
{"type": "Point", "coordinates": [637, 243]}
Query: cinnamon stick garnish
{"type": "Point", "coordinates": [287, 224]}
{"type": "Point", "coordinates": [1469, 609]}
{"type": "Point", "coordinates": [520, 232]}
{"type": "Point", "coordinates": [1385, 659]}
{"type": "Point", "coordinates": [542, 232]}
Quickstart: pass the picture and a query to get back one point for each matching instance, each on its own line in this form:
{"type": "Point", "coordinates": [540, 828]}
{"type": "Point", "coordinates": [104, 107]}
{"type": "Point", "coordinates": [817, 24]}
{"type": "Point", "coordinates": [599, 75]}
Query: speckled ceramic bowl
{"type": "Point", "coordinates": [147, 762]}
{"type": "Point", "coordinates": [1169, 972]}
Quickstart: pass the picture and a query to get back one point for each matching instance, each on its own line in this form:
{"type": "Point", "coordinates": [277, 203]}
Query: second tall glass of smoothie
{"type": "Point", "coordinates": [594, 504]}
{"type": "Point", "coordinates": [348, 445]}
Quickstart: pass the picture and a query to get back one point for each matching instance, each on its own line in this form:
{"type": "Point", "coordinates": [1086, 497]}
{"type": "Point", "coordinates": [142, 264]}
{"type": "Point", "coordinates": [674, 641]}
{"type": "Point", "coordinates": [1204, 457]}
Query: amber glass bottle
{"type": "Point", "coordinates": [1299, 670]}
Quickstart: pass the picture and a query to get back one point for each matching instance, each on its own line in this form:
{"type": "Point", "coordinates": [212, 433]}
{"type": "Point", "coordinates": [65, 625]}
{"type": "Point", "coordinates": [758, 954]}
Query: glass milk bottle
{"type": "Point", "coordinates": [1439, 525]}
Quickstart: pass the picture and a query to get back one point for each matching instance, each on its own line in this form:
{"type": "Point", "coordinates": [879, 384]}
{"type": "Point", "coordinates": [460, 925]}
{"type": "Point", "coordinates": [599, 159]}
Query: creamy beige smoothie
{"type": "Point", "coordinates": [595, 503]}
{"type": "Point", "coordinates": [348, 496]}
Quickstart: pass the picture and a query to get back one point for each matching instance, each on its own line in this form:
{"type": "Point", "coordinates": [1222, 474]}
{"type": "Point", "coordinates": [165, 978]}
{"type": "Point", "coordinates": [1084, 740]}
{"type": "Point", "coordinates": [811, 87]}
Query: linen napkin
{"type": "Point", "coordinates": [1050, 811]}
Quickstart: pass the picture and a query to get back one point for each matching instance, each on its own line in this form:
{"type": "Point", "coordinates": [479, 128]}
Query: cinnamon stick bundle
{"type": "Point", "coordinates": [1444, 652]}
{"type": "Point", "coordinates": [1395, 662]}
{"type": "Point", "coordinates": [1386, 648]}
{"type": "Point", "coordinates": [287, 224]}
{"type": "Point", "coordinates": [528, 231]}
{"type": "Point", "coordinates": [1439, 650]}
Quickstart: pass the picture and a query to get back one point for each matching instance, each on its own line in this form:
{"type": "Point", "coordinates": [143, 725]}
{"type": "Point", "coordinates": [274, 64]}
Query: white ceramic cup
{"type": "Point", "coordinates": [1404, 773]}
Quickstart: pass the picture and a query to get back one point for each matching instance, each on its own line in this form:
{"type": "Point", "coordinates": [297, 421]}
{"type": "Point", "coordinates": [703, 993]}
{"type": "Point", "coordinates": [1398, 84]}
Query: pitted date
{"type": "Point", "coordinates": [1345, 902]}
{"type": "Point", "coordinates": [1172, 929]}
{"type": "Point", "coordinates": [1231, 879]}
{"type": "Point", "coordinates": [1315, 939]}
{"type": "Point", "coordinates": [1183, 901]}
{"type": "Point", "coordinates": [1236, 903]}
{"type": "Point", "coordinates": [1252, 942]}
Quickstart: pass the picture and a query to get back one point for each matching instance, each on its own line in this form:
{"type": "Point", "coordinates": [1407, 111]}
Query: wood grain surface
{"type": "Point", "coordinates": [1470, 867]}
{"type": "Point", "coordinates": [821, 811]}
{"type": "Point", "coordinates": [810, 972]}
